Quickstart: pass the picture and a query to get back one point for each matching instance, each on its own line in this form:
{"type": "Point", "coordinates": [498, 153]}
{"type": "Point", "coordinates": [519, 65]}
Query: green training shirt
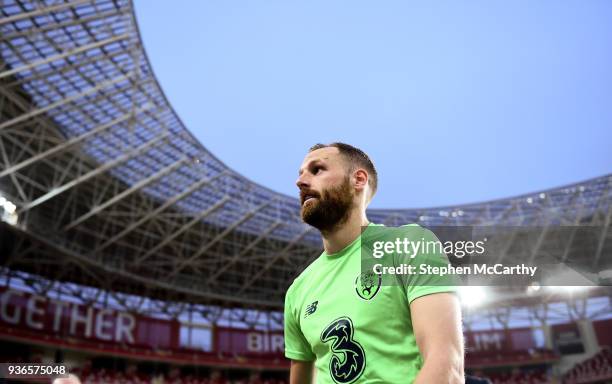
{"type": "Point", "coordinates": [357, 328]}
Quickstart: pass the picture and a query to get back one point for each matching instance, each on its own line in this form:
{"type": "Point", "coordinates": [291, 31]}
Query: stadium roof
{"type": "Point", "coordinates": [108, 182]}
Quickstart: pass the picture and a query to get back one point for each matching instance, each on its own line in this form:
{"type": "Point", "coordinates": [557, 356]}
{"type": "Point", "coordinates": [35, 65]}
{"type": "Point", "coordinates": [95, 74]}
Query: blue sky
{"type": "Point", "coordinates": [456, 102]}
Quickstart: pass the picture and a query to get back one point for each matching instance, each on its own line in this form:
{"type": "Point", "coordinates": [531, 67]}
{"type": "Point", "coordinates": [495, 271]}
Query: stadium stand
{"type": "Point", "coordinates": [173, 376]}
{"type": "Point", "coordinates": [518, 376]}
{"type": "Point", "coordinates": [110, 207]}
{"type": "Point", "coordinates": [111, 177]}
{"type": "Point", "coordinates": [593, 370]}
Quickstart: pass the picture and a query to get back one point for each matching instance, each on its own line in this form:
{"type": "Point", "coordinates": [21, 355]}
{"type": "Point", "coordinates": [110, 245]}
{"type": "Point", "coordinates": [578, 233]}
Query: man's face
{"type": "Point", "coordinates": [326, 194]}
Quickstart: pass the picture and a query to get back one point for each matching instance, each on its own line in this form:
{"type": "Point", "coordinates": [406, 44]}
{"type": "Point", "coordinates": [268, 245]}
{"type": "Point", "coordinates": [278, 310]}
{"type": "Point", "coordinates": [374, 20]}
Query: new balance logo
{"type": "Point", "coordinates": [311, 309]}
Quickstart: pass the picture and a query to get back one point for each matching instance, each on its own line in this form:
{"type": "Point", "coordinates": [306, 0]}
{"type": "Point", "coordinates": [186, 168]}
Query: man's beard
{"type": "Point", "coordinates": [331, 209]}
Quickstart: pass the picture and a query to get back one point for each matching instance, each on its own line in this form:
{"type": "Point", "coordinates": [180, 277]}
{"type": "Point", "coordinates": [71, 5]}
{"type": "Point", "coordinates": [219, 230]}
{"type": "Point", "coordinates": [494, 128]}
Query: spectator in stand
{"type": "Point", "coordinates": [255, 378]}
{"type": "Point", "coordinates": [217, 378]}
{"type": "Point", "coordinates": [476, 380]}
{"type": "Point", "coordinates": [174, 376]}
{"type": "Point", "coordinates": [158, 379]}
{"type": "Point", "coordinates": [71, 379]}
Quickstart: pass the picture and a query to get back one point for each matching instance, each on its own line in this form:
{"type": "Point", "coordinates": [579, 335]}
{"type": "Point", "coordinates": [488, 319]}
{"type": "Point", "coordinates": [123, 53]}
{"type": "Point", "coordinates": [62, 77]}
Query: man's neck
{"type": "Point", "coordinates": [338, 239]}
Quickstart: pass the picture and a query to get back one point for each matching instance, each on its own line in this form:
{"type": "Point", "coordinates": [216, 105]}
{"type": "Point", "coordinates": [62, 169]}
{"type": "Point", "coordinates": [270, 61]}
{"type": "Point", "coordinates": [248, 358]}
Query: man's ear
{"type": "Point", "coordinates": [360, 179]}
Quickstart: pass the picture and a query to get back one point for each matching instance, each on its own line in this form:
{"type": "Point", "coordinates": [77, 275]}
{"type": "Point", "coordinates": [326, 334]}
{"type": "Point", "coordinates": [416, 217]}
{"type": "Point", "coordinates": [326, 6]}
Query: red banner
{"type": "Point", "coordinates": [603, 330]}
{"type": "Point", "coordinates": [246, 342]}
{"type": "Point", "coordinates": [48, 316]}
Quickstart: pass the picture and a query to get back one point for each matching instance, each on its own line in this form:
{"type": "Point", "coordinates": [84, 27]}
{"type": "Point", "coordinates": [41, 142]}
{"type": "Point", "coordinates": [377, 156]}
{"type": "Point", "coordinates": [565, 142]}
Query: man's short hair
{"type": "Point", "coordinates": [357, 159]}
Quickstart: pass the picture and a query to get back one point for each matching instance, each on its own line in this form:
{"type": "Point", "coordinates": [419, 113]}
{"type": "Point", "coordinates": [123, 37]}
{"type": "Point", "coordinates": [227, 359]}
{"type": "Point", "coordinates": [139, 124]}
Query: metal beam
{"type": "Point", "coordinates": [184, 228]}
{"type": "Point", "coordinates": [238, 257]}
{"type": "Point", "coordinates": [56, 191]}
{"type": "Point", "coordinates": [63, 24]}
{"type": "Point", "coordinates": [42, 11]}
{"type": "Point", "coordinates": [66, 100]}
{"type": "Point", "coordinates": [197, 185]}
{"type": "Point", "coordinates": [201, 251]}
{"type": "Point", "coordinates": [602, 239]}
{"type": "Point", "coordinates": [134, 188]}
{"type": "Point", "coordinates": [75, 51]}
{"type": "Point", "coordinates": [273, 260]}
{"type": "Point", "coordinates": [76, 66]}
{"type": "Point", "coordinates": [69, 143]}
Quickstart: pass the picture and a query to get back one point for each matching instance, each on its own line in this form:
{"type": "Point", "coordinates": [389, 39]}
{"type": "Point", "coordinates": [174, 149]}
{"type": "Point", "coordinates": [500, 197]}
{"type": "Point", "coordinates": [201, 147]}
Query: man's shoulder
{"type": "Point", "coordinates": [380, 231]}
{"type": "Point", "coordinates": [305, 276]}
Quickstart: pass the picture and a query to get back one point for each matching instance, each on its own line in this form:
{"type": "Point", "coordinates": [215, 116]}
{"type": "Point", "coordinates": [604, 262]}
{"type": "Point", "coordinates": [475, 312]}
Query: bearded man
{"type": "Point", "coordinates": [342, 325]}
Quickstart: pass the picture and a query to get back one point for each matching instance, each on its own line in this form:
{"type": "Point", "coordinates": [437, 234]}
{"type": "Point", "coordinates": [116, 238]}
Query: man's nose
{"type": "Point", "coordinates": [302, 182]}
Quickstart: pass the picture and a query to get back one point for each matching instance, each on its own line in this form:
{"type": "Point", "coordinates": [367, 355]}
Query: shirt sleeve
{"type": "Point", "coordinates": [421, 284]}
{"type": "Point", "coordinates": [296, 345]}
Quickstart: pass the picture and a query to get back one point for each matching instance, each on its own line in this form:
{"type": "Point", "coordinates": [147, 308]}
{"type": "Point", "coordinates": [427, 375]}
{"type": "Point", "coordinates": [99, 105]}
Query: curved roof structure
{"type": "Point", "coordinates": [102, 171]}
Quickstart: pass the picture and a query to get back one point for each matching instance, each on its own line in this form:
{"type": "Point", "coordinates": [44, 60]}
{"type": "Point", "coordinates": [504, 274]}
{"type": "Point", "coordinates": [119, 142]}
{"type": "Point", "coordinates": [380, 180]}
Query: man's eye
{"type": "Point", "coordinates": [316, 170]}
